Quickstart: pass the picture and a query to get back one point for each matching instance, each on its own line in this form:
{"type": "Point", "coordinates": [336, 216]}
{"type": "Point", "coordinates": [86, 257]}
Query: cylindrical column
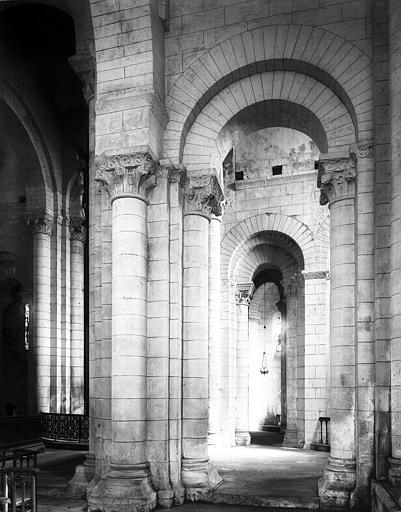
{"type": "Point", "coordinates": [337, 183]}
{"type": "Point", "coordinates": [127, 485]}
{"type": "Point", "coordinates": [42, 229]}
{"type": "Point", "coordinates": [198, 475]}
{"type": "Point", "coordinates": [395, 99]}
{"type": "Point", "coordinates": [214, 434]}
{"type": "Point", "coordinates": [243, 298]}
{"type": "Point", "coordinates": [77, 235]}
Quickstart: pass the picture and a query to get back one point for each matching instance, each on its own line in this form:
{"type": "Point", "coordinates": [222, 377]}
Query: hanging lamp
{"type": "Point", "coordinates": [263, 367]}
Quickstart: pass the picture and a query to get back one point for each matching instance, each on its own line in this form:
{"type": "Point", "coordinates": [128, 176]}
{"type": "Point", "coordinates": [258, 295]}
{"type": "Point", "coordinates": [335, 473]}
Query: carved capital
{"type": "Point", "coordinates": [336, 179]}
{"type": "Point", "coordinates": [84, 68]}
{"type": "Point", "coordinates": [364, 149]}
{"type": "Point", "coordinates": [244, 294]}
{"type": "Point", "coordinates": [77, 229]}
{"type": "Point", "coordinates": [176, 174]}
{"type": "Point", "coordinates": [41, 223]}
{"type": "Point", "coordinates": [127, 174]}
{"type": "Point", "coordinates": [203, 195]}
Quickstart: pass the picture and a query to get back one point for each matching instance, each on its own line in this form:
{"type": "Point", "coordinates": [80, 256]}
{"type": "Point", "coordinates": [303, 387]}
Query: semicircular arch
{"type": "Point", "coordinates": [314, 52]}
{"type": "Point", "coordinates": [236, 238]}
{"type": "Point", "coordinates": [254, 255]}
{"type": "Point", "coordinates": [299, 89]}
{"type": "Point", "coordinates": [267, 114]}
{"type": "Point", "coordinates": [11, 97]}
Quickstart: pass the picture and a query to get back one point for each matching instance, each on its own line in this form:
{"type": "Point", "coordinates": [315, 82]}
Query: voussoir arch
{"type": "Point", "coordinates": [234, 240]}
{"type": "Point", "coordinates": [312, 51]}
{"type": "Point", "coordinates": [13, 99]}
{"type": "Point", "coordinates": [305, 92]}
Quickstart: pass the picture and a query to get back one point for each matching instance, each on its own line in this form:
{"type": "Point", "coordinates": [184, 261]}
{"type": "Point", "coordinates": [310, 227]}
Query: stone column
{"type": "Point", "coordinates": [127, 485]}
{"type": "Point", "coordinates": [158, 341]}
{"type": "Point", "coordinates": [202, 196]}
{"type": "Point", "coordinates": [243, 298]}
{"type": "Point", "coordinates": [290, 286]}
{"type": "Point", "coordinates": [336, 179]}
{"type": "Point", "coordinates": [395, 112]}
{"type": "Point", "coordinates": [42, 228]}
{"type": "Point", "coordinates": [84, 67]}
{"type": "Point", "coordinates": [214, 433]}
{"type": "Point", "coordinates": [77, 239]}
{"type": "Point", "coordinates": [176, 178]}
{"type": "Point", "coordinates": [365, 315]}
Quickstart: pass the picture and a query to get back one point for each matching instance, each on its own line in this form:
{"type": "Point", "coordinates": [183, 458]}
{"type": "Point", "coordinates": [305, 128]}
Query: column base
{"type": "Point", "coordinates": [84, 473]}
{"type": "Point", "coordinates": [336, 484]}
{"type": "Point", "coordinates": [242, 438]}
{"type": "Point", "coordinates": [126, 488]}
{"type": "Point", "coordinates": [179, 494]}
{"type": "Point", "coordinates": [200, 478]}
{"type": "Point", "coordinates": [394, 473]}
{"type": "Point", "coordinates": [165, 498]}
{"type": "Point", "coordinates": [290, 439]}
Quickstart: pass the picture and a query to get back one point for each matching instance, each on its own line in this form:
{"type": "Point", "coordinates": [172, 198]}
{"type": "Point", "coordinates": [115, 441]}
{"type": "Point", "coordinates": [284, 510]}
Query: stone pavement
{"type": "Point", "coordinates": [264, 478]}
{"type": "Point", "coordinates": [51, 504]}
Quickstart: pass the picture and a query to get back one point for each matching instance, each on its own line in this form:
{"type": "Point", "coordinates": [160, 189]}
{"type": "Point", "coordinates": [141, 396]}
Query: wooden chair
{"type": "Point", "coordinates": [18, 489]}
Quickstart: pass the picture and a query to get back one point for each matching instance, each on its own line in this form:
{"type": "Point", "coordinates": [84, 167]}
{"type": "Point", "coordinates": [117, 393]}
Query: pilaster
{"type": "Point", "coordinates": [214, 429]}
{"type": "Point", "coordinates": [395, 243]}
{"type": "Point", "coordinates": [84, 66]}
{"type": "Point", "coordinates": [290, 286]}
{"type": "Point", "coordinates": [176, 178]}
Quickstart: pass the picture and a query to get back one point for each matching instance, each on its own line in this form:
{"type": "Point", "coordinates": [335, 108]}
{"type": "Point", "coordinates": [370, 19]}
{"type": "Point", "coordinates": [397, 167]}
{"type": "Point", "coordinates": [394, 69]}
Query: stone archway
{"type": "Point", "coordinates": [220, 84]}
{"type": "Point", "coordinates": [246, 252]}
{"type": "Point", "coordinates": [309, 51]}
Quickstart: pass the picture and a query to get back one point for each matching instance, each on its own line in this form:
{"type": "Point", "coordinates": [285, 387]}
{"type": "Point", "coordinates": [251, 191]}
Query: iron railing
{"type": "Point", "coordinates": [70, 428]}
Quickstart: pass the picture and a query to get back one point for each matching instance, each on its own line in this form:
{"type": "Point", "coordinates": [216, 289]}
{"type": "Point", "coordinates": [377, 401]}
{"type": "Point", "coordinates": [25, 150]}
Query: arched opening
{"type": "Point", "coordinates": [44, 138]}
{"type": "Point", "coordinates": [266, 336]}
{"type": "Point", "coordinates": [274, 317]}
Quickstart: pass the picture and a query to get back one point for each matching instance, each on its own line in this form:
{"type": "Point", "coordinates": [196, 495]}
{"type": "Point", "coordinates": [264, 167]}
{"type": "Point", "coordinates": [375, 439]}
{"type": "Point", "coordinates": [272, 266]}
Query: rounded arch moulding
{"type": "Point", "coordinates": [306, 65]}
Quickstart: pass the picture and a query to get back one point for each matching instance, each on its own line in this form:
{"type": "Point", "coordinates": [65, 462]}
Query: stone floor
{"type": "Point", "coordinates": [268, 477]}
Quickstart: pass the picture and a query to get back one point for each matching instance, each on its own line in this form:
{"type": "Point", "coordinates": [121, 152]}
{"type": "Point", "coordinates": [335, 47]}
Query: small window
{"type": "Point", "coordinates": [239, 175]}
{"type": "Point", "coordinates": [277, 170]}
{"type": "Point", "coordinates": [316, 165]}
